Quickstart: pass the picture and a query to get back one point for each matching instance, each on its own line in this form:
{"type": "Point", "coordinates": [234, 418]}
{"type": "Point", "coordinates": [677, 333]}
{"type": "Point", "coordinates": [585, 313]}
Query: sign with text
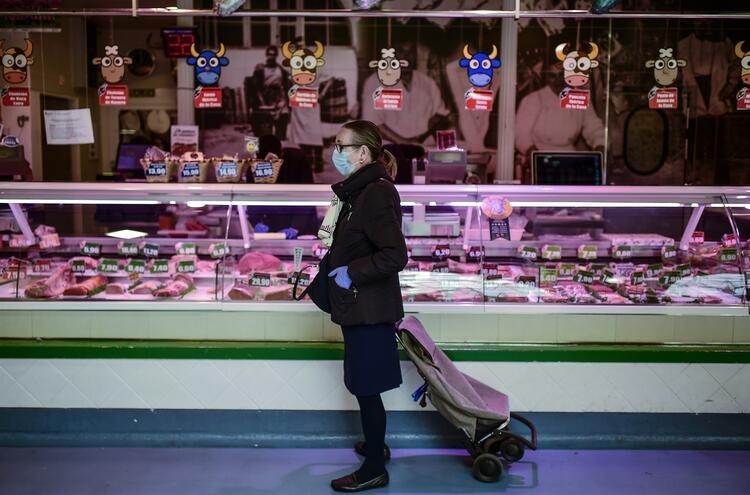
{"type": "Point", "coordinates": [499, 229]}
{"type": "Point", "coordinates": [479, 99]}
{"type": "Point", "coordinates": [115, 95]}
{"type": "Point", "coordinates": [207, 97]}
{"type": "Point", "coordinates": [743, 99]}
{"type": "Point", "coordinates": [574, 99]}
{"type": "Point", "coordinates": [662, 98]}
{"type": "Point", "coordinates": [300, 97]}
{"type": "Point", "coordinates": [15, 97]}
{"type": "Point", "coordinates": [388, 99]}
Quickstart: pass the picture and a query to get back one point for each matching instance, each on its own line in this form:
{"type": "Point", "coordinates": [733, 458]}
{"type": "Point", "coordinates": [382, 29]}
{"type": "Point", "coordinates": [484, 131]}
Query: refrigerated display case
{"type": "Point", "coordinates": [619, 250]}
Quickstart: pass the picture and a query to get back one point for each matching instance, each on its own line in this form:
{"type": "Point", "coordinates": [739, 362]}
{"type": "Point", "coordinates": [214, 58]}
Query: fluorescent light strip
{"type": "Point", "coordinates": [82, 201]}
{"type": "Point", "coordinates": [730, 205]}
{"type": "Point", "coordinates": [593, 204]}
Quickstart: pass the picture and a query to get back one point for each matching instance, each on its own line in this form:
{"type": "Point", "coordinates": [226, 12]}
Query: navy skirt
{"type": "Point", "coordinates": [371, 363]}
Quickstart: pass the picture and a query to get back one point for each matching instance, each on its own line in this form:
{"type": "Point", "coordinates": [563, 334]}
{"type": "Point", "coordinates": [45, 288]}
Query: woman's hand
{"type": "Point", "coordinates": [342, 277]}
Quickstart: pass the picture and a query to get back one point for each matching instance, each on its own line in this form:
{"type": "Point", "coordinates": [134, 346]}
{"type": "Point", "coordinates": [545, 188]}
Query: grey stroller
{"type": "Point", "coordinates": [479, 411]}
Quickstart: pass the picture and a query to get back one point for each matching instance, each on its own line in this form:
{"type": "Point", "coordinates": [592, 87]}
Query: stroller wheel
{"type": "Point", "coordinates": [512, 450]}
{"type": "Point", "coordinates": [492, 445]}
{"type": "Point", "coordinates": [487, 468]}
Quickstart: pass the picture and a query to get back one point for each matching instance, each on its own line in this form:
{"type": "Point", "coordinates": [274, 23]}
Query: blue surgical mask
{"type": "Point", "coordinates": [341, 162]}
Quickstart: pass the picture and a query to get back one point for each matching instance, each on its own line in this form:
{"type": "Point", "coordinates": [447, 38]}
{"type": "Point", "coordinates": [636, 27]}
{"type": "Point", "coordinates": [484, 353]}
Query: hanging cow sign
{"type": "Point", "coordinates": [207, 66]}
{"type": "Point", "coordinates": [112, 68]}
{"type": "Point", "coordinates": [389, 67]}
{"type": "Point", "coordinates": [16, 62]}
{"type": "Point", "coordinates": [666, 71]}
{"type": "Point", "coordinates": [743, 96]}
{"type": "Point", "coordinates": [304, 65]}
{"type": "Point", "coordinates": [577, 67]}
{"type": "Point", "coordinates": [480, 68]}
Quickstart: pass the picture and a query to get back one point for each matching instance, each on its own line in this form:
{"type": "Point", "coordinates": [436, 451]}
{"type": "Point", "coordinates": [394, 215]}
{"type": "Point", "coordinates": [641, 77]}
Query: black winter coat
{"type": "Point", "coordinates": [369, 241]}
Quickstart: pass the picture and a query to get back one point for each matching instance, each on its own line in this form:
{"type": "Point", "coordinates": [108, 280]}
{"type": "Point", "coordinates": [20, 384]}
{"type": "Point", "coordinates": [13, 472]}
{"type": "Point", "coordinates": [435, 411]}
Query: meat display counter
{"type": "Point", "coordinates": [483, 249]}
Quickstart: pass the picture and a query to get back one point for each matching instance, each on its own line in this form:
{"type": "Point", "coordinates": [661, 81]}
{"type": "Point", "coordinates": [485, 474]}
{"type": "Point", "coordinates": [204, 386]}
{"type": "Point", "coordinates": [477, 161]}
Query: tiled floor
{"type": "Point", "coordinates": [164, 471]}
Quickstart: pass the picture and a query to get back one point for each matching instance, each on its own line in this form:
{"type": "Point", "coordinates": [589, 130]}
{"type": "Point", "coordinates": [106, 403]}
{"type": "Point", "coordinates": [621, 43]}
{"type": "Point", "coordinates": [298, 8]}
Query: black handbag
{"type": "Point", "coordinates": [318, 288]}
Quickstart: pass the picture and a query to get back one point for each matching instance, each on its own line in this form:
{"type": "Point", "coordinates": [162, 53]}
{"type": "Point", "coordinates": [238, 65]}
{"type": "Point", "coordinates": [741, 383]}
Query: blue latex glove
{"type": "Point", "coordinates": [342, 277]}
{"type": "Point", "coordinates": [290, 232]}
{"type": "Point", "coordinates": [261, 228]}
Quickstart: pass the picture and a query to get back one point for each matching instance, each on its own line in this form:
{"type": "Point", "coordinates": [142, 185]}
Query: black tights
{"type": "Point", "coordinates": [372, 413]}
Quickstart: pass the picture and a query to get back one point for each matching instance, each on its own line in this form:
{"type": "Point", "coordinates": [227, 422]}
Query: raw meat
{"type": "Point", "coordinates": [242, 292]}
{"type": "Point", "coordinates": [273, 293]}
{"type": "Point", "coordinates": [258, 262]}
{"type": "Point", "coordinates": [146, 287]}
{"type": "Point", "coordinates": [52, 286]}
{"type": "Point", "coordinates": [205, 266]}
{"type": "Point", "coordinates": [456, 267]}
{"type": "Point", "coordinates": [86, 287]}
{"type": "Point", "coordinates": [179, 284]}
{"type": "Point", "coordinates": [116, 289]}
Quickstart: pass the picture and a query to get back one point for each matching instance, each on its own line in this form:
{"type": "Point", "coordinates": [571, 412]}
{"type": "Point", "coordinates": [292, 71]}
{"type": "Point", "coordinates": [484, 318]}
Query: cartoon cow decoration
{"type": "Point", "coordinates": [113, 65]}
{"type": "Point", "coordinates": [304, 62]}
{"type": "Point", "coordinates": [389, 67]}
{"type": "Point", "coordinates": [577, 66]}
{"type": "Point", "coordinates": [479, 66]}
{"type": "Point", "coordinates": [208, 64]}
{"type": "Point", "coordinates": [16, 62]}
{"type": "Point", "coordinates": [666, 67]}
{"type": "Point", "coordinates": [744, 57]}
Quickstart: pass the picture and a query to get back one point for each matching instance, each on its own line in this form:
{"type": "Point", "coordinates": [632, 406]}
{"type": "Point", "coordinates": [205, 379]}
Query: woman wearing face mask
{"type": "Point", "coordinates": [367, 251]}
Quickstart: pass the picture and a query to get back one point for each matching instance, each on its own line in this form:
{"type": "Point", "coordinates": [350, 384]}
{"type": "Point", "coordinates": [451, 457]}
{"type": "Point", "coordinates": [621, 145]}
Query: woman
{"type": "Point", "coordinates": [366, 253]}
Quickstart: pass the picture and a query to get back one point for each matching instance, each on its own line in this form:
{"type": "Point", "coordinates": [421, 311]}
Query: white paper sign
{"type": "Point", "coordinates": [184, 138]}
{"type": "Point", "coordinates": [69, 126]}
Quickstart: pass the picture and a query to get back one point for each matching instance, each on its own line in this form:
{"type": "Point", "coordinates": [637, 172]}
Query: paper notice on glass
{"type": "Point", "coordinates": [68, 126]}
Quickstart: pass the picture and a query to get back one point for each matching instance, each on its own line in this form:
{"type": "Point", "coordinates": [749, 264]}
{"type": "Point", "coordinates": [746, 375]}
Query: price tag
{"type": "Point", "coordinates": [78, 266]}
{"type": "Point", "coordinates": [441, 267]}
{"type": "Point", "coordinates": [260, 280]}
{"type": "Point", "coordinates": [586, 252]}
{"type": "Point", "coordinates": [263, 170]}
{"type": "Point", "coordinates": [304, 280]}
{"type": "Point", "coordinates": [19, 241]}
{"type": "Point", "coordinates": [637, 278]}
{"type": "Point", "coordinates": [729, 240]}
{"type": "Point", "coordinates": [187, 266]}
{"type": "Point", "coordinates": [136, 266]}
{"type": "Point", "coordinates": [584, 277]}
{"type": "Point", "coordinates": [566, 270]}
{"type": "Point", "coordinates": [684, 270]}
{"type": "Point", "coordinates": [319, 251]}
{"type": "Point", "coordinates": [475, 253]}
{"type": "Point", "coordinates": [156, 169]}
{"type": "Point", "coordinates": [607, 276]}
{"type": "Point", "coordinates": [547, 276]}
{"type": "Point", "coordinates": [41, 265]}
{"type": "Point", "coordinates": [48, 241]}
{"type": "Point", "coordinates": [728, 255]}
{"type": "Point", "coordinates": [499, 229]}
{"type": "Point", "coordinates": [127, 249]}
{"type": "Point", "coordinates": [91, 249]}
{"type": "Point", "coordinates": [622, 252]}
{"type": "Point", "coordinates": [298, 258]}
{"type": "Point", "coordinates": [669, 278]}
{"type": "Point", "coordinates": [597, 268]}
{"type": "Point", "coordinates": [186, 248]}
{"type": "Point", "coordinates": [227, 169]}
{"type": "Point", "coordinates": [160, 266]}
{"type": "Point", "coordinates": [219, 250]}
{"type": "Point", "coordinates": [528, 252]}
{"type": "Point", "coordinates": [190, 170]}
{"type": "Point", "coordinates": [551, 252]}
{"type": "Point", "coordinates": [411, 267]}
{"type": "Point", "coordinates": [668, 253]}
{"type": "Point", "coordinates": [441, 251]}
{"type": "Point", "coordinates": [698, 237]}
{"type": "Point", "coordinates": [526, 281]}
{"type": "Point", "coordinates": [489, 269]}
{"type": "Point", "coordinates": [150, 250]}
{"type": "Point", "coordinates": [107, 266]}
{"type": "Point", "coordinates": [653, 271]}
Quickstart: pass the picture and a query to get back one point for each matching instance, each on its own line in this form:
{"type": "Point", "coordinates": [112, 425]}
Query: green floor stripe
{"type": "Point", "coordinates": [170, 349]}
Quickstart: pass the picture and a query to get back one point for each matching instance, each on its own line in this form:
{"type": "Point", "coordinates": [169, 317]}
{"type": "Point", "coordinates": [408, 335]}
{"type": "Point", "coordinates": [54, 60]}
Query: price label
{"type": "Point", "coordinates": [441, 267]}
{"type": "Point", "coordinates": [227, 169]}
{"type": "Point", "coordinates": [499, 229]}
{"type": "Point", "coordinates": [190, 170]}
{"type": "Point", "coordinates": [186, 248]}
{"type": "Point", "coordinates": [320, 251]}
{"type": "Point", "coordinates": [622, 252]}
{"type": "Point", "coordinates": [668, 253]}
{"type": "Point", "coordinates": [547, 276]}
{"type": "Point", "coordinates": [263, 170]}
{"type": "Point", "coordinates": [91, 249]}
{"type": "Point", "coordinates": [526, 281]}
{"type": "Point", "coordinates": [19, 241]}
{"type": "Point", "coordinates": [219, 250]}
{"type": "Point", "coordinates": [160, 266]}
{"type": "Point", "coordinates": [475, 253]}
{"type": "Point", "coordinates": [669, 278]}
{"type": "Point", "coordinates": [441, 251]}
{"type": "Point", "coordinates": [489, 269]}
{"type": "Point", "coordinates": [729, 240]}
{"type": "Point", "coordinates": [528, 252]}
{"type": "Point", "coordinates": [566, 270]}
{"type": "Point", "coordinates": [698, 237]}
{"type": "Point", "coordinates": [136, 266]}
{"type": "Point", "coordinates": [551, 252]}
{"type": "Point", "coordinates": [411, 267]}
{"type": "Point", "coordinates": [48, 241]}
{"type": "Point", "coordinates": [728, 255]}
{"type": "Point", "coordinates": [597, 268]}
{"type": "Point", "coordinates": [304, 280]}
{"type": "Point", "coordinates": [684, 270]}
{"type": "Point", "coordinates": [187, 266]}
{"type": "Point", "coordinates": [586, 252]}
{"type": "Point", "coordinates": [584, 277]}
{"type": "Point", "coordinates": [607, 276]}
{"type": "Point", "coordinates": [78, 266]}
{"type": "Point", "coordinates": [107, 266]}
{"type": "Point", "coordinates": [298, 258]}
{"type": "Point", "coordinates": [260, 280]}
{"type": "Point", "coordinates": [637, 278]}
{"type": "Point", "coordinates": [150, 250]}
{"type": "Point", "coordinates": [41, 265]}
{"type": "Point", "coordinates": [127, 249]}
{"type": "Point", "coordinates": [653, 271]}
{"type": "Point", "coordinates": [156, 169]}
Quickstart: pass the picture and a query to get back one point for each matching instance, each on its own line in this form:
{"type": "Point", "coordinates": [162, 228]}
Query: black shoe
{"type": "Point", "coordinates": [349, 483]}
{"type": "Point", "coordinates": [359, 448]}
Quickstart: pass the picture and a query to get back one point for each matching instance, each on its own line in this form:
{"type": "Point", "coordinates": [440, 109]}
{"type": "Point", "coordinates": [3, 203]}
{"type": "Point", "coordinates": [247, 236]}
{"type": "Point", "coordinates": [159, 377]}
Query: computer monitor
{"type": "Point", "coordinates": [575, 168]}
{"type": "Point", "coordinates": [129, 158]}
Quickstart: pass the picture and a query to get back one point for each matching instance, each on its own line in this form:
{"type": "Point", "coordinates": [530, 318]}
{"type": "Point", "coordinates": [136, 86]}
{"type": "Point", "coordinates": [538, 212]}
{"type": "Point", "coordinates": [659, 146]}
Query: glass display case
{"type": "Point", "coordinates": [236, 246]}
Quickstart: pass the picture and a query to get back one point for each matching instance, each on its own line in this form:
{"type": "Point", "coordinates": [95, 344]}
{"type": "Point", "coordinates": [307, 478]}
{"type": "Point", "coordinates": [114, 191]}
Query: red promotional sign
{"type": "Point", "coordinates": [662, 98]}
{"type": "Point", "coordinates": [479, 99]}
{"type": "Point", "coordinates": [15, 97]}
{"type": "Point", "coordinates": [300, 97]}
{"type": "Point", "coordinates": [574, 99]}
{"type": "Point", "coordinates": [743, 99]}
{"type": "Point", "coordinates": [207, 97]}
{"type": "Point", "coordinates": [113, 95]}
{"type": "Point", "coordinates": [388, 99]}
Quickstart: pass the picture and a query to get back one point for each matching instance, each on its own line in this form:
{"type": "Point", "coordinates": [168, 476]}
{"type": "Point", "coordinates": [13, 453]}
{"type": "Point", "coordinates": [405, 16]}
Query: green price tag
{"type": "Point", "coordinates": [622, 252]}
{"type": "Point", "coordinates": [597, 268]}
{"type": "Point", "coordinates": [586, 252]}
{"type": "Point", "coordinates": [728, 255]}
{"type": "Point", "coordinates": [668, 253]}
{"type": "Point", "coordinates": [150, 250]}
{"type": "Point", "coordinates": [186, 266]}
{"type": "Point", "coordinates": [551, 252]}
{"type": "Point", "coordinates": [160, 266]}
{"type": "Point", "coordinates": [669, 278]}
{"type": "Point", "coordinates": [219, 251]}
{"type": "Point", "coordinates": [186, 248]}
{"type": "Point", "coordinates": [684, 270]}
{"type": "Point", "coordinates": [636, 278]}
{"type": "Point", "coordinates": [584, 277]}
{"type": "Point", "coordinates": [528, 252]}
{"type": "Point", "coordinates": [526, 281]}
{"type": "Point", "coordinates": [653, 271]}
{"type": "Point", "coordinates": [127, 249]}
{"type": "Point", "coordinates": [107, 266]}
{"type": "Point", "coordinates": [91, 249]}
{"type": "Point", "coordinates": [566, 270]}
{"type": "Point", "coordinates": [607, 277]}
{"type": "Point", "coordinates": [260, 280]}
{"type": "Point", "coordinates": [78, 266]}
{"type": "Point", "coordinates": [547, 276]}
{"type": "Point", "coordinates": [136, 266]}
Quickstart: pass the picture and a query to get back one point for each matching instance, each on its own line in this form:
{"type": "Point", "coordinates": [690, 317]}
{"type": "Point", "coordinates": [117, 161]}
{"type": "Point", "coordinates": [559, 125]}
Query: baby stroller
{"type": "Point", "coordinates": [481, 412]}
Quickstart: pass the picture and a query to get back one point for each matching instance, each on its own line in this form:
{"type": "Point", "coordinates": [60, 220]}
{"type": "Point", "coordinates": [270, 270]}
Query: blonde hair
{"type": "Point", "coordinates": [368, 135]}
